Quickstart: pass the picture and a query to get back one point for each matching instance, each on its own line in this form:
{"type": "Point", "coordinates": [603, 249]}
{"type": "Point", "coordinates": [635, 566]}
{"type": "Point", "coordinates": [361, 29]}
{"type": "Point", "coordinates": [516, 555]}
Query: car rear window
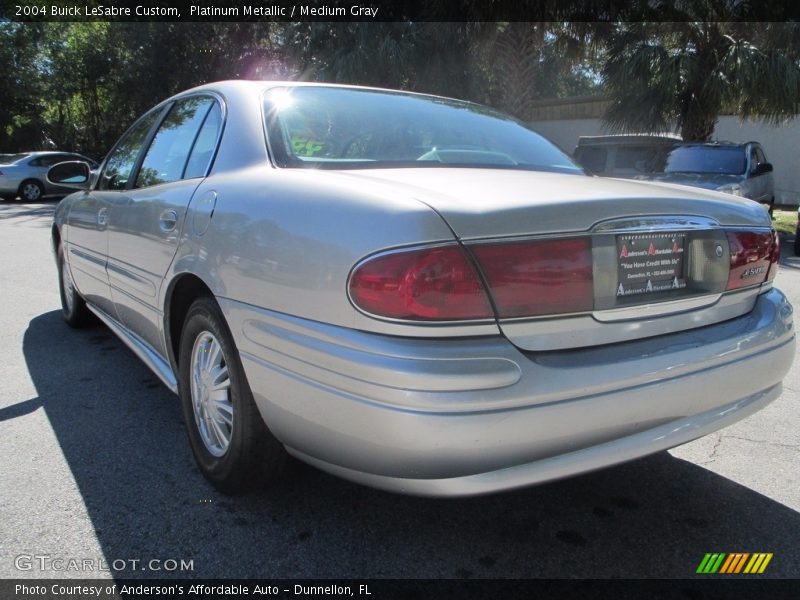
{"type": "Point", "coordinates": [321, 127]}
{"type": "Point", "coordinates": [706, 159]}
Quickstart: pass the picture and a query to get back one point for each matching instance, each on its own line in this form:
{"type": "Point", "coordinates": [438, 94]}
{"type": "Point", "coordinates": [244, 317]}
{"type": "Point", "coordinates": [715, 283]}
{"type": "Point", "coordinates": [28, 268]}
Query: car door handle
{"type": "Point", "coordinates": [168, 220]}
{"type": "Point", "coordinates": [102, 217]}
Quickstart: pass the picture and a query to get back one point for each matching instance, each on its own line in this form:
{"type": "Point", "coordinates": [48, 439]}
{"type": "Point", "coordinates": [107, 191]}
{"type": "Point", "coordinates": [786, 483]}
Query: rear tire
{"type": "Point", "coordinates": [73, 306]}
{"type": "Point", "coordinates": [31, 190]}
{"type": "Point", "coordinates": [232, 445]}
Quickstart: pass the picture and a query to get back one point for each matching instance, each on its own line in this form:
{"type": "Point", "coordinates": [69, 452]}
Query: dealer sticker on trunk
{"type": "Point", "coordinates": [650, 263]}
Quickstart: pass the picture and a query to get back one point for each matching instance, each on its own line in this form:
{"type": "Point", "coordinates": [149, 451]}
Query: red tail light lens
{"type": "Point", "coordinates": [775, 258]}
{"type": "Point", "coordinates": [752, 255]}
{"type": "Point", "coordinates": [433, 284]}
{"type": "Point", "coordinates": [544, 277]}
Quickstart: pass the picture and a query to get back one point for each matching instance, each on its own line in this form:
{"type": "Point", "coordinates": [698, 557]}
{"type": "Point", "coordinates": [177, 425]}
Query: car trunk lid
{"type": "Point", "coordinates": [607, 260]}
{"type": "Point", "coordinates": [492, 203]}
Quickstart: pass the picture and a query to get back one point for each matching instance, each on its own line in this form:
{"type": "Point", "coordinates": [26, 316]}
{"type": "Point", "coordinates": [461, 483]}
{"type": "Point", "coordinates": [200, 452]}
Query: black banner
{"type": "Point", "coordinates": [393, 10]}
{"type": "Point", "coordinates": [710, 587]}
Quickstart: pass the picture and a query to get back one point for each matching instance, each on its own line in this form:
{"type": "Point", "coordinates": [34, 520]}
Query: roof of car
{"type": "Point", "coordinates": [628, 138]}
{"type": "Point", "coordinates": [637, 138]}
{"type": "Point", "coordinates": [258, 85]}
{"type": "Point", "coordinates": [45, 152]}
{"type": "Point", "coordinates": [719, 144]}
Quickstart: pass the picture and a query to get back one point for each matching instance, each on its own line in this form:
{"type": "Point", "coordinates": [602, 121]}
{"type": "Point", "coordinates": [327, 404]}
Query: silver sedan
{"type": "Point", "coordinates": [415, 293]}
{"type": "Point", "coordinates": [25, 175]}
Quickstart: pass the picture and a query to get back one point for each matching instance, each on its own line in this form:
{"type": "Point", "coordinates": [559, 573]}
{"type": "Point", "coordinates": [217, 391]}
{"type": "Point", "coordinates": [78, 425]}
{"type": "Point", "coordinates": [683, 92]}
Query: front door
{"type": "Point", "coordinates": [88, 218]}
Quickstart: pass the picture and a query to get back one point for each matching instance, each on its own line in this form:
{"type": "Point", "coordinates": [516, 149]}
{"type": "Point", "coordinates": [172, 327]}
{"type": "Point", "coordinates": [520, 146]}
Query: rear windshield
{"type": "Point", "coordinates": [321, 127]}
{"type": "Point", "coordinates": [706, 159]}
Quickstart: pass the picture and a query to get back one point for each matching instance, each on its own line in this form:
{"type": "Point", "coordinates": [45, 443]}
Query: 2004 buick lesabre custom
{"type": "Point", "coordinates": [415, 293]}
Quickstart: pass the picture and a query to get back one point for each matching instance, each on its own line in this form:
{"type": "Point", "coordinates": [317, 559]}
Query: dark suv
{"type": "Point", "coordinates": [738, 169]}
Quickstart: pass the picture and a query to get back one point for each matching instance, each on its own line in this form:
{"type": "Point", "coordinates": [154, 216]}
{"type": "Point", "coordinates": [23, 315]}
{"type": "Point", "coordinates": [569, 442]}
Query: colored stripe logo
{"type": "Point", "coordinates": [734, 563]}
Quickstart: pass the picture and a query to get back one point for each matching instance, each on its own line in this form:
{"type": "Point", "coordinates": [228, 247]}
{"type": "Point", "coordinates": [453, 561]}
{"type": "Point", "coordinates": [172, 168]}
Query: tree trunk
{"type": "Point", "coordinates": [697, 125]}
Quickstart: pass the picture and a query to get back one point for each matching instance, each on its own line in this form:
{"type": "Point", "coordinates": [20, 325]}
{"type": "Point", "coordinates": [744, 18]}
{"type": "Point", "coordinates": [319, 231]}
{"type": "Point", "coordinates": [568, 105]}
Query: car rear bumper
{"type": "Point", "coordinates": [473, 416]}
{"type": "Point", "coordinates": [9, 186]}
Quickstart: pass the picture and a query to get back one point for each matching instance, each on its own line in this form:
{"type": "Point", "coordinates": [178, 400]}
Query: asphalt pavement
{"type": "Point", "coordinates": [96, 468]}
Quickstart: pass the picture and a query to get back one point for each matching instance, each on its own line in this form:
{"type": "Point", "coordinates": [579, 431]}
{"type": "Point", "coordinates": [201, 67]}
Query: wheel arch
{"type": "Point", "coordinates": [183, 290]}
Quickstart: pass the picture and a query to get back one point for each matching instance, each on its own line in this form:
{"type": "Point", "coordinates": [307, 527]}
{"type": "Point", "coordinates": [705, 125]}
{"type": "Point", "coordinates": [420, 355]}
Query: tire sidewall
{"type": "Point", "coordinates": [22, 188]}
{"type": "Point", "coordinates": [73, 317]}
{"type": "Point", "coordinates": [204, 315]}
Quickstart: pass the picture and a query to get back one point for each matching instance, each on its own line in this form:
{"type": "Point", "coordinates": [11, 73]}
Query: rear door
{"type": "Point", "coordinates": [146, 218]}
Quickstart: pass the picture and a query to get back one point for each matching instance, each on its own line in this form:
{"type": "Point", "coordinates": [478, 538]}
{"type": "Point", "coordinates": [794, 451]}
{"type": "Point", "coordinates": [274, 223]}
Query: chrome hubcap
{"type": "Point", "coordinates": [211, 398]}
{"type": "Point", "coordinates": [69, 288]}
{"type": "Point", "coordinates": [31, 192]}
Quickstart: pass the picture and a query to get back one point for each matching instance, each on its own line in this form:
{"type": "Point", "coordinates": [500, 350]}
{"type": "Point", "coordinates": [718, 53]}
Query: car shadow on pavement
{"type": "Point", "coordinates": [39, 214]}
{"type": "Point", "coordinates": [122, 435]}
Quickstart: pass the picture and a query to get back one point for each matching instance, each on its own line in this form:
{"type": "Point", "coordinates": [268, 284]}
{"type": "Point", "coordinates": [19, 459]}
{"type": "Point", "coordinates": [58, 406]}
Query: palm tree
{"type": "Point", "coordinates": [684, 74]}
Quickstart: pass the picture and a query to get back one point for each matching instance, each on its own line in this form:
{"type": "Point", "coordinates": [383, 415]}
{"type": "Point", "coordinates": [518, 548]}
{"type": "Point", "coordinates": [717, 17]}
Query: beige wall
{"type": "Point", "coordinates": [781, 144]}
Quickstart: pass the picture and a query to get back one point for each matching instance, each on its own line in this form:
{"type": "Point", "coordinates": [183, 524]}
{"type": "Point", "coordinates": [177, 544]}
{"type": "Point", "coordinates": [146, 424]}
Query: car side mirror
{"type": "Point", "coordinates": [762, 169]}
{"type": "Point", "coordinates": [73, 174]}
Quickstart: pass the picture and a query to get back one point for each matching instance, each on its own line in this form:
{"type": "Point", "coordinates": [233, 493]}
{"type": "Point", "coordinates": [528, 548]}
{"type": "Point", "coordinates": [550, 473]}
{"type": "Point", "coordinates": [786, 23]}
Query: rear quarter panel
{"type": "Point", "coordinates": [287, 241]}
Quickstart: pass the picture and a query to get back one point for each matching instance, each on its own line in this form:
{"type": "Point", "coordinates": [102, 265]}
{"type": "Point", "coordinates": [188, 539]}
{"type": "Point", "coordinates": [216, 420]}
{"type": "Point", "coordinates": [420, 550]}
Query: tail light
{"type": "Point", "coordinates": [431, 284]}
{"type": "Point", "coordinates": [546, 277]}
{"type": "Point", "coordinates": [525, 279]}
{"type": "Point", "coordinates": [521, 279]}
{"type": "Point", "coordinates": [775, 258]}
{"type": "Point", "coordinates": [754, 257]}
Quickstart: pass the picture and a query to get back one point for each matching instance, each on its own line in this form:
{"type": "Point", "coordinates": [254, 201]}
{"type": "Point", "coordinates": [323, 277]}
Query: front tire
{"type": "Point", "coordinates": [230, 441]}
{"type": "Point", "coordinates": [31, 190]}
{"type": "Point", "coordinates": [73, 306]}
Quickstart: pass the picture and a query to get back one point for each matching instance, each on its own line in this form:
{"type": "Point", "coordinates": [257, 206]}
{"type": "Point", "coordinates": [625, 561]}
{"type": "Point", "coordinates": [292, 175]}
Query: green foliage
{"type": "Point", "coordinates": [78, 86]}
{"type": "Point", "coordinates": [685, 74]}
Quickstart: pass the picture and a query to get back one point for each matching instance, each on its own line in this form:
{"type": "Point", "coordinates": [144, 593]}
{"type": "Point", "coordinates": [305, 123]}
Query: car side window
{"type": "Point", "coordinates": [121, 162]}
{"type": "Point", "coordinates": [168, 154]}
{"type": "Point", "coordinates": [48, 160]}
{"type": "Point", "coordinates": [204, 146]}
{"type": "Point", "coordinates": [753, 160]}
{"type": "Point", "coordinates": [57, 158]}
{"type": "Point", "coordinates": [593, 159]}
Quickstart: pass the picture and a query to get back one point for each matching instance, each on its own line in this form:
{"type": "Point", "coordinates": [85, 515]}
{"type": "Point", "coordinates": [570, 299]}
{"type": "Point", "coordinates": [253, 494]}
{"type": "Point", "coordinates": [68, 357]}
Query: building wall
{"type": "Point", "coordinates": [781, 144]}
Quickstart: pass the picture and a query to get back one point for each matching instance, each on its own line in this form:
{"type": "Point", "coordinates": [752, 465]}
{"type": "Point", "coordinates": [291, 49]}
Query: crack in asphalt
{"type": "Point", "coordinates": [768, 442]}
{"type": "Point", "coordinates": [712, 457]}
